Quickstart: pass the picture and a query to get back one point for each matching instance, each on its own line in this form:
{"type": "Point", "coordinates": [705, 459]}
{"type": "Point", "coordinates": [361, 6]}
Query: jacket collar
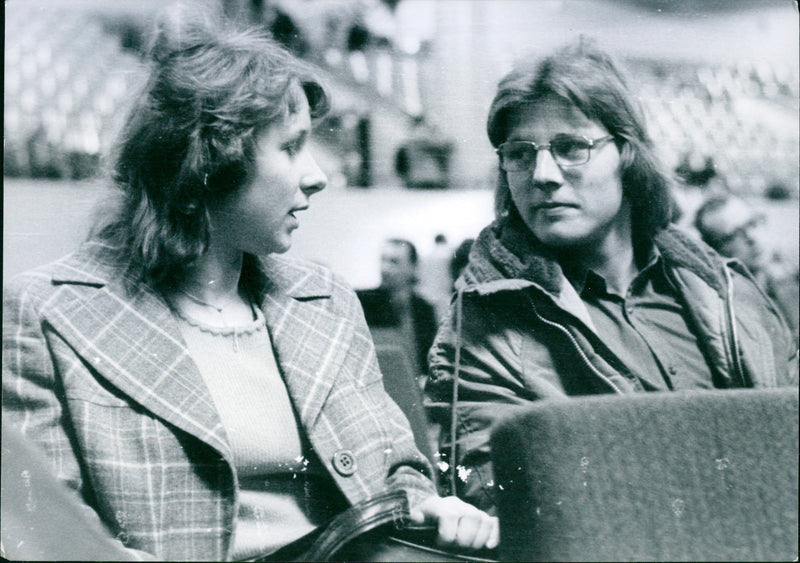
{"type": "Point", "coordinates": [97, 263]}
{"type": "Point", "coordinates": [506, 251]}
{"type": "Point", "coordinates": [134, 343]}
{"type": "Point", "coordinates": [308, 339]}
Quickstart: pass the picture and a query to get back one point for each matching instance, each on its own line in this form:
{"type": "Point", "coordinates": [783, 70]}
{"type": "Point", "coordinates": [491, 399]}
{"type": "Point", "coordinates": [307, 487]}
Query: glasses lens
{"type": "Point", "coordinates": [517, 157]}
{"type": "Point", "coordinates": [570, 150]}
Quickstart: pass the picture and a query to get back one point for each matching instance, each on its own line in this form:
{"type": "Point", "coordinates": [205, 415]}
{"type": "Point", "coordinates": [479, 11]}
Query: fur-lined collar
{"type": "Point", "coordinates": [507, 250]}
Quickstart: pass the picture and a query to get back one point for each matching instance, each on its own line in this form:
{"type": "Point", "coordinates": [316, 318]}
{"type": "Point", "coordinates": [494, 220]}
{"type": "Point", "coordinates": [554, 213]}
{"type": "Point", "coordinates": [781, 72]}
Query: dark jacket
{"type": "Point", "coordinates": [379, 313]}
{"type": "Point", "coordinates": [526, 335]}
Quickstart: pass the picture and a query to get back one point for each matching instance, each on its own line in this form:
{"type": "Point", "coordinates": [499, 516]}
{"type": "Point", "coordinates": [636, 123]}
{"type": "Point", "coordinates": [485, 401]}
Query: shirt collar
{"type": "Point", "coordinates": [593, 282]}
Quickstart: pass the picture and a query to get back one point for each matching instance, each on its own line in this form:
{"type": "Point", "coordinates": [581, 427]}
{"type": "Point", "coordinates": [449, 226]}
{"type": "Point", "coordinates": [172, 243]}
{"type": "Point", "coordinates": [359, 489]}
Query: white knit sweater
{"type": "Point", "coordinates": [283, 490]}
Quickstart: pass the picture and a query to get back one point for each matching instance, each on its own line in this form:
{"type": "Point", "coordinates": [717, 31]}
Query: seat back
{"type": "Point", "coordinates": [707, 475]}
{"type": "Point", "coordinates": [400, 382]}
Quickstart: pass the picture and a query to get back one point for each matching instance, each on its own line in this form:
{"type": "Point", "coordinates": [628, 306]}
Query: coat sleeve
{"type": "Point", "coordinates": [765, 334]}
{"type": "Point", "coordinates": [489, 384]}
{"type": "Point", "coordinates": [407, 467]}
{"type": "Point", "coordinates": [33, 409]}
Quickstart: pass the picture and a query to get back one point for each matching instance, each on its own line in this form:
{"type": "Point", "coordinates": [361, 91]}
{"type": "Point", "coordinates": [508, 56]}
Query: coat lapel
{"type": "Point", "coordinates": [134, 343]}
{"type": "Point", "coordinates": [309, 340]}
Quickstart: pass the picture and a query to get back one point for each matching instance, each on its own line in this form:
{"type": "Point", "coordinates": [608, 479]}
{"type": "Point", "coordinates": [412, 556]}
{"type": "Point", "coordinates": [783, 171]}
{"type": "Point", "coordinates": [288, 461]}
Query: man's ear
{"type": "Point", "coordinates": [626, 154]}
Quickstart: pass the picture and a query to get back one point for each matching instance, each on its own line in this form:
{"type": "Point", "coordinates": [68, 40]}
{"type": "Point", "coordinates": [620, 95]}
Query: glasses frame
{"type": "Point", "coordinates": [592, 143]}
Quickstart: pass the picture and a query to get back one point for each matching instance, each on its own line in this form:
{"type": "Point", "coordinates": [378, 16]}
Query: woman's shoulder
{"type": "Point", "coordinates": [88, 266]}
{"type": "Point", "coordinates": [304, 278]}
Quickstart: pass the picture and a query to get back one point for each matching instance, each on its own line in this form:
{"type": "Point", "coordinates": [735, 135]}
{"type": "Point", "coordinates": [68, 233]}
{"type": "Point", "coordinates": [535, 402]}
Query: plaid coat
{"type": "Point", "coordinates": [102, 381]}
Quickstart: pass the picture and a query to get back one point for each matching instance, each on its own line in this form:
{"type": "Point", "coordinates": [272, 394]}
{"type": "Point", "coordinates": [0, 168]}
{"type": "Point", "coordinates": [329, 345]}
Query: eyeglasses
{"type": "Point", "coordinates": [567, 150]}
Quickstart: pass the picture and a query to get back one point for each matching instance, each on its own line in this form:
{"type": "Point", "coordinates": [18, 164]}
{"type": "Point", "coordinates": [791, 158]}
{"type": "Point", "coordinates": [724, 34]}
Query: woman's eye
{"type": "Point", "coordinates": [293, 148]}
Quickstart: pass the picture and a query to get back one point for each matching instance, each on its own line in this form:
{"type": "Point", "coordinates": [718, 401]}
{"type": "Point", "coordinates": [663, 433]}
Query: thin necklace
{"type": "Point", "coordinates": [219, 311]}
{"type": "Point", "coordinates": [201, 302]}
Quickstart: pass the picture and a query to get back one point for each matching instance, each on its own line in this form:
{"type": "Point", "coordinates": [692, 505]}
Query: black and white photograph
{"type": "Point", "coordinates": [400, 280]}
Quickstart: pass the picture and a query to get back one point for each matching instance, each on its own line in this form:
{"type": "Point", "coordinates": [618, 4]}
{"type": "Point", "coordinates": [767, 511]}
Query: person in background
{"type": "Point", "coordinates": [435, 283]}
{"type": "Point", "coordinates": [396, 304]}
{"type": "Point", "coordinates": [201, 395]}
{"type": "Point", "coordinates": [734, 229]}
{"type": "Point", "coordinates": [423, 160]}
{"type": "Point", "coordinates": [581, 286]}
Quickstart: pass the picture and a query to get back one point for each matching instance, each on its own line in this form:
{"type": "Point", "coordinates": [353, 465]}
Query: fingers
{"type": "Point", "coordinates": [416, 516]}
{"type": "Point", "coordinates": [448, 528]}
{"type": "Point", "coordinates": [476, 531]}
{"type": "Point", "coordinates": [485, 526]}
{"type": "Point", "coordinates": [494, 535]}
{"type": "Point", "coordinates": [461, 524]}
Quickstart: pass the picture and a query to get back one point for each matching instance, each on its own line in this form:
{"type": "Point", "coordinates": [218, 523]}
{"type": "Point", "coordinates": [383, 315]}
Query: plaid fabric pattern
{"type": "Point", "coordinates": [102, 381]}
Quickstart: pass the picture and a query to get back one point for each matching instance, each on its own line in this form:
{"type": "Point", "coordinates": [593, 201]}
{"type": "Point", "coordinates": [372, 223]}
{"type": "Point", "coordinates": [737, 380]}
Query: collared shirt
{"type": "Point", "coordinates": [648, 329]}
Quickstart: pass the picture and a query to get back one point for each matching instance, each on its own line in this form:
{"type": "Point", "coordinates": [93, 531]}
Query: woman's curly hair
{"type": "Point", "coordinates": [190, 138]}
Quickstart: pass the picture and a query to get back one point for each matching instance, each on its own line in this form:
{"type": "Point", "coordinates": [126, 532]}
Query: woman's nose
{"type": "Point", "coordinates": [546, 172]}
{"type": "Point", "coordinates": [314, 179]}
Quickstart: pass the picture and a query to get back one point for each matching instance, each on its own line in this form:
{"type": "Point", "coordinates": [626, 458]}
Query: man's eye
{"type": "Point", "coordinates": [570, 148]}
{"type": "Point", "coordinates": [518, 153]}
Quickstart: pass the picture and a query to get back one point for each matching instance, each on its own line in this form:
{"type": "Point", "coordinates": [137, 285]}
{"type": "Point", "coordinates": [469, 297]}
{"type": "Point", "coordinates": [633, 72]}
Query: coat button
{"type": "Point", "coordinates": [344, 462]}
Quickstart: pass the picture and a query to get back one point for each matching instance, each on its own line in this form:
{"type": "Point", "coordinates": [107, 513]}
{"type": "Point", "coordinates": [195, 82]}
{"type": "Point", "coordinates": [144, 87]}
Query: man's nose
{"type": "Point", "coordinates": [546, 173]}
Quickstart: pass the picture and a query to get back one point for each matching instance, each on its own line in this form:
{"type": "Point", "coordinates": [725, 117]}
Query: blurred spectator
{"type": "Point", "coordinates": [357, 41]}
{"type": "Point", "coordinates": [778, 191]}
{"type": "Point", "coordinates": [733, 228]}
{"type": "Point", "coordinates": [395, 303]}
{"type": "Point", "coordinates": [696, 169]}
{"type": "Point", "coordinates": [423, 161]}
{"type": "Point", "coordinates": [434, 275]}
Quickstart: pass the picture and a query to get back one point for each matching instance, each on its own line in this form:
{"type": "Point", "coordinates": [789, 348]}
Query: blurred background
{"type": "Point", "coordinates": [405, 147]}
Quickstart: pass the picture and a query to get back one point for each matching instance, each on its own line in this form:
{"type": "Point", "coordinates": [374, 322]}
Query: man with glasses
{"type": "Point", "coordinates": [580, 286]}
{"type": "Point", "coordinates": [734, 229]}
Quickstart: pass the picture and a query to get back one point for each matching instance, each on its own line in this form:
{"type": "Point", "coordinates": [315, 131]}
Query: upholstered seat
{"type": "Point", "coordinates": [663, 476]}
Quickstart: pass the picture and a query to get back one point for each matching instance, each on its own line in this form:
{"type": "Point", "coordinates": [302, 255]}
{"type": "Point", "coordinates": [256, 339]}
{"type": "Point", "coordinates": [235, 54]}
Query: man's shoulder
{"type": "Point", "coordinates": [373, 295]}
{"type": "Point", "coordinates": [377, 306]}
{"type": "Point", "coordinates": [422, 304]}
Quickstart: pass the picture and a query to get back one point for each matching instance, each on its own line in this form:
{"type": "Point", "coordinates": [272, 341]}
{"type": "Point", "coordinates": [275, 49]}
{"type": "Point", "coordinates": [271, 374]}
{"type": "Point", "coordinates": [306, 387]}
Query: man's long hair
{"type": "Point", "coordinates": [587, 78]}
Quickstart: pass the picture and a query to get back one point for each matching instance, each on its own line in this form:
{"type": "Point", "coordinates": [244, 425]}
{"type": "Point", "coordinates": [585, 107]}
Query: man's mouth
{"type": "Point", "coordinates": [555, 205]}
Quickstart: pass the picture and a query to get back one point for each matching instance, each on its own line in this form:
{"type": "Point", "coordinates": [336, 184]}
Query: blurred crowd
{"type": "Point", "coordinates": [67, 71]}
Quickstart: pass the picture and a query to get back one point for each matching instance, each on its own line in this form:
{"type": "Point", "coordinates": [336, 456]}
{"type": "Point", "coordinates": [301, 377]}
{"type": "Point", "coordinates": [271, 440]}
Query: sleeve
{"type": "Point", "coordinates": [770, 350]}
{"type": "Point", "coordinates": [408, 469]}
{"type": "Point", "coordinates": [489, 385]}
{"type": "Point", "coordinates": [32, 396]}
{"type": "Point", "coordinates": [33, 410]}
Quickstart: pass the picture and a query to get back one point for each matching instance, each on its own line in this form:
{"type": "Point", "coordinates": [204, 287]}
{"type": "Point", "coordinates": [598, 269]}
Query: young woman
{"type": "Point", "coordinates": [204, 396]}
